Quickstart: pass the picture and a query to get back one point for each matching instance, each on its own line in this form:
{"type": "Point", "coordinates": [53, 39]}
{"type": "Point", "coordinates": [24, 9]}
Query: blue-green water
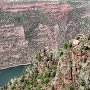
{"type": "Point", "coordinates": [9, 73]}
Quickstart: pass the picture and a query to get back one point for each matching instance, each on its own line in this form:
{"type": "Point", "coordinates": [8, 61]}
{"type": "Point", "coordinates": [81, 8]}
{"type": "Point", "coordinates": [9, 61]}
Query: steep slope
{"type": "Point", "coordinates": [74, 66]}
{"type": "Point", "coordinates": [69, 71]}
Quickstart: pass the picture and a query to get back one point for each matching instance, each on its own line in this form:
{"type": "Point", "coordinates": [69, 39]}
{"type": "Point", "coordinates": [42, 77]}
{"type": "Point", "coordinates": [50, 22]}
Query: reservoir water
{"type": "Point", "coordinates": [9, 73]}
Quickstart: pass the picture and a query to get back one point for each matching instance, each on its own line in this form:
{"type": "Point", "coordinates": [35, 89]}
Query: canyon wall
{"type": "Point", "coordinates": [26, 28]}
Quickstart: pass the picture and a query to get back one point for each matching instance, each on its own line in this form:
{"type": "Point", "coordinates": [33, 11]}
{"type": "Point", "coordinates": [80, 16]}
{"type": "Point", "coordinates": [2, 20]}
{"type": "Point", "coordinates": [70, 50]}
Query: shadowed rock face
{"type": "Point", "coordinates": [41, 24]}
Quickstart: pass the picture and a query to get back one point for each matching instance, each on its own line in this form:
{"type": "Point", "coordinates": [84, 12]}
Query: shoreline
{"type": "Point", "coordinates": [15, 66]}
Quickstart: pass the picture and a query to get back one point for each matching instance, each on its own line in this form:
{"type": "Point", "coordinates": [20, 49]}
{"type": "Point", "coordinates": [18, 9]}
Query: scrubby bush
{"type": "Point", "coordinates": [70, 45]}
{"type": "Point", "coordinates": [35, 84]}
{"type": "Point", "coordinates": [83, 83]}
{"type": "Point", "coordinates": [31, 82]}
{"type": "Point", "coordinates": [38, 56]}
{"type": "Point", "coordinates": [22, 79]}
{"type": "Point", "coordinates": [13, 87]}
{"type": "Point", "coordinates": [38, 87]}
{"type": "Point", "coordinates": [35, 74]}
{"type": "Point", "coordinates": [53, 73]}
{"type": "Point", "coordinates": [14, 84]}
{"type": "Point", "coordinates": [78, 37]}
{"type": "Point", "coordinates": [40, 76]}
{"type": "Point", "coordinates": [66, 44]}
{"type": "Point", "coordinates": [45, 64]}
{"type": "Point", "coordinates": [72, 87]}
{"type": "Point", "coordinates": [47, 74]}
{"type": "Point", "coordinates": [51, 56]}
{"type": "Point", "coordinates": [23, 85]}
{"type": "Point", "coordinates": [86, 48]}
{"type": "Point", "coordinates": [46, 80]}
{"type": "Point", "coordinates": [60, 53]}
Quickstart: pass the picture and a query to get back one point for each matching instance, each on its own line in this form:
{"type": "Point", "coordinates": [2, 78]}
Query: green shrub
{"type": "Point", "coordinates": [22, 79]}
{"type": "Point", "coordinates": [23, 85]}
{"type": "Point", "coordinates": [46, 80]}
{"type": "Point", "coordinates": [61, 81]}
{"type": "Point", "coordinates": [35, 74]}
{"type": "Point", "coordinates": [28, 87]}
{"type": "Point", "coordinates": [60, 52]}
{"type": "Point", "coordinates": [38, 56]}
{"type": "Point", "coordinates": [70, 45]}
{"type": "Point", "coordinates": [66, 44]}
{"type": "Point", "coordinates": [40, 76]}
{"type": "Point", "coordinates": [45, 64]}
{"type": "Point", "coordinates": [83, 83]}
{"type": "Point", "coordinates": [78, 37]}
{"type": "Point", "coordinates": [47, 74]}
{"type": "Point", "coordinates": [38, 87]}
{"type": "Point", "coordinates": [48, 65]}
{"type": "Point", "coordinates": [13, 87]}
{"type": "Point", "coordinates": [51, 56]}
{"type": "Point", "coordinates": [15, 82]}
{"type": "Point", "coordinates": [53, 73]}
{"type": "Point", "coordinates": [35, 84]}
{"type": "Point", "coordinates": [72, 87]}
{"type": "Point", "coordinates": [31, 82]}
{"type": "Point", "coordinates": [86, 48]}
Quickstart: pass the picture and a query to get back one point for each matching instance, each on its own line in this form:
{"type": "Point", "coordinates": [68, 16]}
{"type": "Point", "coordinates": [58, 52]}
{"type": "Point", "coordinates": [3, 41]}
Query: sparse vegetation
{"type": "Point", "coordinates": [39, 87]}
{"type": "Point", "coordinates": [47, 74]}
{"type": "Point", "coordinates": [71, 87]}
{"type": "Point", "coordinates": [66, 44]}
{"type": "Point", "coordinates": [70, 44]}
{"type": "Point", "coordinates": [51, 56]}
{"type": "Point", "coordinates": [60, 52]}
{"type": "Point", "coordinates": [50, 73]}
{"type": "Point", "coordinates": [47, 69]}
{"type": "Point", "coordinates": [77, 37]}
{"type": "Point", "coordinates": [86, 48]}
{"type": "Point", "coordinates": [53, 73]}
{"type": "Point", "coordinates": [83, 83]}
{"type": "Point", "coordinates": [46, 80]}
{"type": "Point", "coordinates": [38, 56]}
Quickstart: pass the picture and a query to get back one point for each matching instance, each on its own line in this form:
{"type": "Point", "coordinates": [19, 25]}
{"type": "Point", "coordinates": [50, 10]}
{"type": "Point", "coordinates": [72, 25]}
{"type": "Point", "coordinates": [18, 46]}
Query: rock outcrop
{"type": "Point", "coordinates": [69, 71]}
